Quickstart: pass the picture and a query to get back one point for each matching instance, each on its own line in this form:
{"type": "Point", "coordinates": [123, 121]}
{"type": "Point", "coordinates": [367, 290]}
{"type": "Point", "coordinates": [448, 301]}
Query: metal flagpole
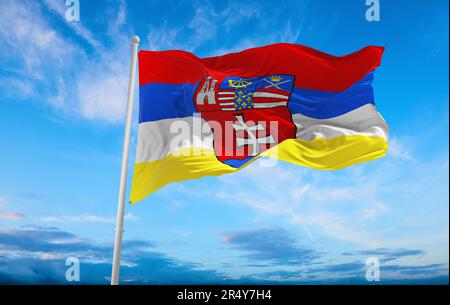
{"type": "Point", "coordinates": [123, 173]}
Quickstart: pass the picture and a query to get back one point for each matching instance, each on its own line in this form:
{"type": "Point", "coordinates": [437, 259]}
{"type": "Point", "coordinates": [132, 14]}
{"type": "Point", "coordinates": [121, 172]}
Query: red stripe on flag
{"type": "Point", "coordinates": [312, 69]}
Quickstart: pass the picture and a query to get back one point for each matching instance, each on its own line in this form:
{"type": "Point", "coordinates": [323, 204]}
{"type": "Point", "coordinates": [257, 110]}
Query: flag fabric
{"type": "Point", "coordinates": [211, 116]}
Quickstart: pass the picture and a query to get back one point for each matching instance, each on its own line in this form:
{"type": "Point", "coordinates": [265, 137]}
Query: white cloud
{"type": "Point", "coordinates": [28, 43]}
{"type": "Point", "coordinates": [203, 25]}
{"type": "Point", "coordinates": [118, 19]}
{"type": "Point", "coordinates": [102, 88]}
{"type": "Point", "coordinates": [333, 225]}
{"type": "Point", "coordinates": [51, 256]}
{"type": "Point", "coordinates": [398, 150]}
{"type": "Point", "coordinates": [239, 11]}
{"type": "Point", "coordinates": [206, 25]}
{"type": "Point", "coordinates": [59, 8]}
{"type": "Point", "coordinates": [93, 87]}
{"type": "Point", "coordinates": [201, 29]}
{"type": "Point", "coordinates": [300, 192]}
{"type": "Point", "coordinates": [164, 38]}
{"type": "Point", "coordinates": [86, 218]}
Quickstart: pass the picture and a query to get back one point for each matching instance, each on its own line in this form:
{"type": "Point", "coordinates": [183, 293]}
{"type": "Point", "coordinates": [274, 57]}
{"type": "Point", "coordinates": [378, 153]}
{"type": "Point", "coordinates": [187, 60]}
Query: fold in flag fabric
{"type": "Point", "coordinates": [211, 116]}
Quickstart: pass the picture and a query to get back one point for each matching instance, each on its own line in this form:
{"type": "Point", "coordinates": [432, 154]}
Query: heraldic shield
{"type": "Point", "coordinates": [247, 115]}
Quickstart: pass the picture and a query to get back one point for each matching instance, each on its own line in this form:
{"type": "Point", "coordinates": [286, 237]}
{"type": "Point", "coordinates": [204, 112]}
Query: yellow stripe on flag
{"type": "Point", "coordinates": [193, 163]}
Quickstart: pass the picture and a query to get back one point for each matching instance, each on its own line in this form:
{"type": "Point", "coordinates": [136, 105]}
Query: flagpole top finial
{"type": "Point", "coordinates": [135, 39]}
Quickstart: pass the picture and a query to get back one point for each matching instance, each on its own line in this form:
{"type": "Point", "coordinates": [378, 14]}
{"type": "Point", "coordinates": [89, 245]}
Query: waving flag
{"type": "Point", "coordinates": [211, 116]}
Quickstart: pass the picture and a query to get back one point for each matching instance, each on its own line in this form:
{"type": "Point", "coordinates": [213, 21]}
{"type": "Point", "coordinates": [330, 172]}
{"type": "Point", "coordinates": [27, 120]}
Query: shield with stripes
{"type": "Point", "coordinates": [247, 115]}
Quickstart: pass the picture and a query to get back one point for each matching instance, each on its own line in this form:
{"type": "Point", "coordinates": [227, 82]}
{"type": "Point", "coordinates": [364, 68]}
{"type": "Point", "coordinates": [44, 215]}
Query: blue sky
{"type": "Point", "coordinates": [63, 90]}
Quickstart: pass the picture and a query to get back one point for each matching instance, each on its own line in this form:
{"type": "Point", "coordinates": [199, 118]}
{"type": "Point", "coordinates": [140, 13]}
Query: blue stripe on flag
{"type": "Point", "coordinates": [325, 105]}
{"type": "Point", "coordinates": [167, 101]}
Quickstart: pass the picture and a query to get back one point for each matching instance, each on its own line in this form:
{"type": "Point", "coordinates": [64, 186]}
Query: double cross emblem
{"type": "Point", "coordinates": [252, 140]}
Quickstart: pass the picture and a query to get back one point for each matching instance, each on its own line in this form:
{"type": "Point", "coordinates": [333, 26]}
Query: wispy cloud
{"type": "Point", "coordinates": [102, 89]}
{"type": "Point", "coordinates": [118, 19]}
{"type": "Point", "coordinates": [94, 88]}
{"type": "Point", "coordinates": [208, 25]}
{"type": "Point", "coordinates": [398, 150]}
{"type": "Point", "coordinates": [29, 44]}
{"type": "Point", "coordinates": [59, 8]}
{"type": "Point", "coordinates": [86, 218]}
{"type": "Point", "coordinates": [385, 254]}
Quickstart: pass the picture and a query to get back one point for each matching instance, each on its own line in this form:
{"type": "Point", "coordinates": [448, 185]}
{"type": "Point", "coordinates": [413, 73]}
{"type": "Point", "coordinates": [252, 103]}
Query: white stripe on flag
{"type": "Point", "coordinates": [271, 95]}
{"type": "Point", "coordinates": [269, 105]}
{"type": "Point", "coordinates": [154, 138]}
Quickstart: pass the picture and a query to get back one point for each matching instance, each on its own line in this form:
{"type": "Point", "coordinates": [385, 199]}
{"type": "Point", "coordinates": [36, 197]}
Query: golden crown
{"type": "Point", "coordinates": [275, 78]}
